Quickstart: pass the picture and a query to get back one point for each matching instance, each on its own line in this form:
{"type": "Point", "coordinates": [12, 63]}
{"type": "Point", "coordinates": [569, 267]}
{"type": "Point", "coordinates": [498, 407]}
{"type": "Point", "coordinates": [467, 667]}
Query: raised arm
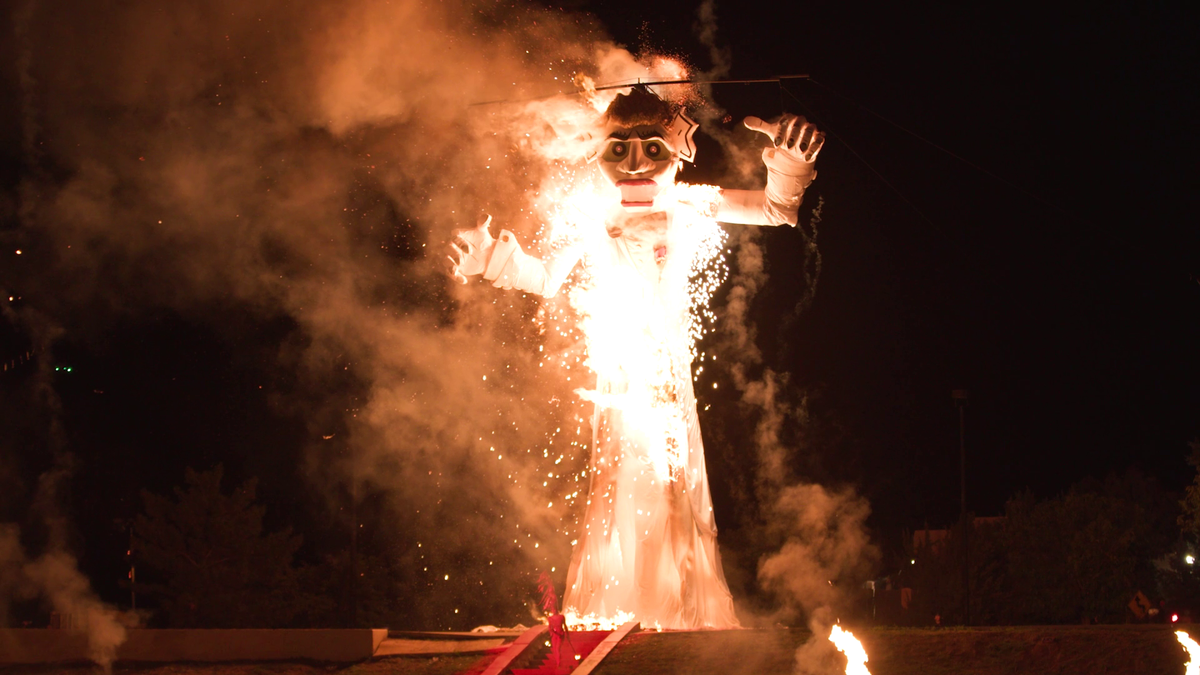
{"type": "Point", "coordinates": [502, 262]}
{"type": "Point", "coordinates": [791, 166]}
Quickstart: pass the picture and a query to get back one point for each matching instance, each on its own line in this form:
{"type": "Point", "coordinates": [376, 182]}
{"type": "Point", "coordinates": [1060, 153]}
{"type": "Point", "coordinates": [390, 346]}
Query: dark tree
{"type": "Point", "coordinates": [212, 564]}
{"type": "Point", "coordinates": [1189, 520]}
{"type": "Point", "coordinates": [1080, 556]}
{"type": "Point", "coordinates": [1181, 575]}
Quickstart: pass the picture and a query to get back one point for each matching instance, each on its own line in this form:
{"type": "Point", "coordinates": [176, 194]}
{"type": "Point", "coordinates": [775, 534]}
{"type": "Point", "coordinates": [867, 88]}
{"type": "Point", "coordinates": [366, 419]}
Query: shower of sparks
{"type": "Point", "coordinates": [1193, 651]}
{"type": "Point", "coordinates": [604, 312]}
{"type": "Point", "coordinates": [638, 338]}
{"type": "Point", "coordinates": [856, 656]}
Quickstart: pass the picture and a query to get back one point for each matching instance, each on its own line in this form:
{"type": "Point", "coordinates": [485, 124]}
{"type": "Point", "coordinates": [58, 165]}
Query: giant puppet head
{"type": "Point", "coordinates": [646, 141]}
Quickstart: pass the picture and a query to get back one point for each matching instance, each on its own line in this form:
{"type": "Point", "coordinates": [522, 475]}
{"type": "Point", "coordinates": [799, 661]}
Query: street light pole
{"type": "Point", "coordinates": [960, 401]}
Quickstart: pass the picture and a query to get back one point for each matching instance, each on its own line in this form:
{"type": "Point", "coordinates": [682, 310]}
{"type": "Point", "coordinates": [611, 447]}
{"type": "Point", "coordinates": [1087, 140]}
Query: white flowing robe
{"type": "Point", "coordinates": [647, 546]}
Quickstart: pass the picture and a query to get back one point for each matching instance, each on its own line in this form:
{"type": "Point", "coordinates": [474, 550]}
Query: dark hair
{"type": "Point", "coordinates": [640, 106]}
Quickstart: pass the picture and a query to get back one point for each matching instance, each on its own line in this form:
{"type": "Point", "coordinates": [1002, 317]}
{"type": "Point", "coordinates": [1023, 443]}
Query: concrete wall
{"type": "Point", "coordinates": [36, 645]}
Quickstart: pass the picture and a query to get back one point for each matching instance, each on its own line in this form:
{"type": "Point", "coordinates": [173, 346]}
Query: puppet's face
{"type": "Point", "coordinates": [640, 163]}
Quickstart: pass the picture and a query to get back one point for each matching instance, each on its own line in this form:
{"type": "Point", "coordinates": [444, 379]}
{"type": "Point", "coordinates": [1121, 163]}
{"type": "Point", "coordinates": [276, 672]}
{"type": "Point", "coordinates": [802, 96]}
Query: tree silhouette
{"type": "Point", "coordinates": [1189, 520]}
{"type": "Point", "coordinates": [212, 564]}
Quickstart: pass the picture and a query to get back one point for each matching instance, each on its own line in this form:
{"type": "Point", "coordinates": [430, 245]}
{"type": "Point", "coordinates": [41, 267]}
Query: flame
{"type": "Point", "coordinates": [596, 622]}
{"type": "Point", "coordinates": [603, 327]}
{"type": "Point", "coordinates": [856, 656]}
{"type": "Point", "coordinates": [627, 333]}
{"type": "Point", "coordinates": [1193, 650]}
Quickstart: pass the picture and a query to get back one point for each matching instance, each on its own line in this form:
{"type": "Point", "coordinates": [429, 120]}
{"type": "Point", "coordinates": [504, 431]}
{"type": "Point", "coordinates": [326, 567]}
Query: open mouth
{"type": "Point", "coordinates": [637, 192]}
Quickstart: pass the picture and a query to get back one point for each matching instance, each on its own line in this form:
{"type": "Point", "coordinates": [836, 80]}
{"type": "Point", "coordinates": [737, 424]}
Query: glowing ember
{"type": "Point", "coordinates": [856, 656]}
{"type": "Point", "coordinates": [1193, 650]}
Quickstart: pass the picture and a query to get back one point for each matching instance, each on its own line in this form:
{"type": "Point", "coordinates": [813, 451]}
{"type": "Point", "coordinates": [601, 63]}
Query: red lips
{"type": "Point", "coordinates": [638, 193]}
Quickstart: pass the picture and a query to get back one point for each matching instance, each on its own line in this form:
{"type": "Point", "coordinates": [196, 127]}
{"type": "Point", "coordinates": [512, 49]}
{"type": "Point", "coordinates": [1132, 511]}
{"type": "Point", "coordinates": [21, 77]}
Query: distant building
{"type": "Point", "coordinates": [931, 540]}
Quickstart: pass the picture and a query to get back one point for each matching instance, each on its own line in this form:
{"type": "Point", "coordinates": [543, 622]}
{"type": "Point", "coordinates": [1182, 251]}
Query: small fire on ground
{"type": "Point", "coordinates": [856, 656]}
{"type": "Point", "coordinates": [592, 622]}
{"type": "Point", "coordinates": [1193, 651]}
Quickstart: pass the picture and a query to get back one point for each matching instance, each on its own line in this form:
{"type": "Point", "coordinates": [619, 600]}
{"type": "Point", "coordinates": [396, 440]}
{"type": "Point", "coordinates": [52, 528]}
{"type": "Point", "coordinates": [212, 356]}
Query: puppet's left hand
{"type": "Point", "coordinates": [790, 164]}
{"type": "Point", "coordinates": [793, 136]}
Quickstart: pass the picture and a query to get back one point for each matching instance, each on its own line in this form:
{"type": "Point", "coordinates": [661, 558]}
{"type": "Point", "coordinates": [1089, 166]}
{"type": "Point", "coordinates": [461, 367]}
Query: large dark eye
{"type": "Point", "coordinates": [616, 151]}
{"type": "Point", "coordinates": [654, 150]}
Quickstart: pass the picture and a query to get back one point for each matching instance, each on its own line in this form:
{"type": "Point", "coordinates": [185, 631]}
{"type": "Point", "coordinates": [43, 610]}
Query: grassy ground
{"type": "Point", "coordinates": [1098, 650]}
{"type": "Point", "coordinates": [1037, 650]}
{"type": "Point", "coordinates": [724, 652]}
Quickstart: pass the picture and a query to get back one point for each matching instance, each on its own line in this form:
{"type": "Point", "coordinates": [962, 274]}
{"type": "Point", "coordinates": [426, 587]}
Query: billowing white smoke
{"type": "Point", "coordinates": [201, 155]}
{"type": "Point", "coordinates": [55, 576]}
{"type": "Point", "coordinates": [51, 574]}
{"type": "Point", "coordinates": [821, 548]}
{"type": "Point", "coordinates": [826, 542]}
{"type": "Point", "coordinates": [311, 162]}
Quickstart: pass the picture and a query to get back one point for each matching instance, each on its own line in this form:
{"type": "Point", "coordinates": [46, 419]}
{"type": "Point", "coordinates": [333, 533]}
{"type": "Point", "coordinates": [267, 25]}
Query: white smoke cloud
{"type": "Point", "coordinates": [55, 576]}
{"type": "Point", "coordinates": [825, 546]}
{"type": "Point", "coordinates": [51, 575]}
{"type": "Point", "coordinates": [818, 546]}
{"type": "Point", "coordinates": [312, 163]}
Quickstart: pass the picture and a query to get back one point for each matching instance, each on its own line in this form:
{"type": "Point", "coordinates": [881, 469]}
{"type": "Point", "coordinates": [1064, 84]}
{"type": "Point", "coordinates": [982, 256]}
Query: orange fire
{"type": "Point", "coordinates": [856, 656]}
{"type": "Point", "coordinates": [606, 313]}
{"type": "Point", "coordinates": [1192, 649]}
{"type": "Point", "coordinates": [630, 333]}
{"type": "Point", "coordinates": [594, 622]}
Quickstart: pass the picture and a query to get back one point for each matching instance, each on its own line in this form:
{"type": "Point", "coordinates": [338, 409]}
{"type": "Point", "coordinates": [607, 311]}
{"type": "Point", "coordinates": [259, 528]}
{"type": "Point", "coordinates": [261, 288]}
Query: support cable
{"type": "Point", "coordinates": [960, 158]}
{"type": "Point", "coordinates": [831, 132]}
{"type": "Point", "coordinates": [1175, 262]}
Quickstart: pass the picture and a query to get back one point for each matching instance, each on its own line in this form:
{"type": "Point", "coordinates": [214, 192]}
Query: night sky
{"type": "Point", "coordinates": [1051, 269]}
{"type": "Point", "coordinates": [1059, 290]}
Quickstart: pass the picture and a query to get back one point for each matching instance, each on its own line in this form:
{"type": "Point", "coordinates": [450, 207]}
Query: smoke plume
{"type": "Point", "coordinates": [817, 549]}
{"type": "Point", "coordinates": [55, 576]}
{"type": "Point", "coordinates": [312, 163]}
{"type": "Point", "coordinates": [52, 575]}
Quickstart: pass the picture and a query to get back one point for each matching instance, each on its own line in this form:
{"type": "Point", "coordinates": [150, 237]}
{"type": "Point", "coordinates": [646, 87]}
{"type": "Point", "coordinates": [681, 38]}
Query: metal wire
{"type": "Point", "coordinates": [765, 80]}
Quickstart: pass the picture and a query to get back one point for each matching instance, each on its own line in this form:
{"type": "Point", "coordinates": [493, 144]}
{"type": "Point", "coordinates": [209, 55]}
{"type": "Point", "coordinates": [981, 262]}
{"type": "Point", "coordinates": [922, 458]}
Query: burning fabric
{"type": "Point", "coordinates": [652, 257]}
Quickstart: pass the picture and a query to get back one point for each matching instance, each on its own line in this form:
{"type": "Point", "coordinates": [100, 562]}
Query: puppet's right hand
{"type": "Point", "coordinates": [471, 249]}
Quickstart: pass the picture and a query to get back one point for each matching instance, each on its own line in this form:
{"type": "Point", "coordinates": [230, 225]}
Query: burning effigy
{"type": "Point", "coordinates": [650, 250]}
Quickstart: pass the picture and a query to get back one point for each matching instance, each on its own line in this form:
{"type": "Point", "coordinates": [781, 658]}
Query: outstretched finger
{"type": "Point", "coordinates": [462, 242]}
{"type": "Point", "coordinates": [806, 136]}
{"type": "Point", "coordinates": [787, 126]}
{"type": "Point", "coordinates": [815, 146]}
{"type": "Point", "coordinates": [454, 269]}
{"type": "Point", "coordinates": [798, 131]}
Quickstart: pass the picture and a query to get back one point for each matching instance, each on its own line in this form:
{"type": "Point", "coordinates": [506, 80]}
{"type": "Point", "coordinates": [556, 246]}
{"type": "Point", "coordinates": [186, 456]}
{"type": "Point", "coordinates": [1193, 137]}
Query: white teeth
{"type": "Point", "coordinates": [638, 193]}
